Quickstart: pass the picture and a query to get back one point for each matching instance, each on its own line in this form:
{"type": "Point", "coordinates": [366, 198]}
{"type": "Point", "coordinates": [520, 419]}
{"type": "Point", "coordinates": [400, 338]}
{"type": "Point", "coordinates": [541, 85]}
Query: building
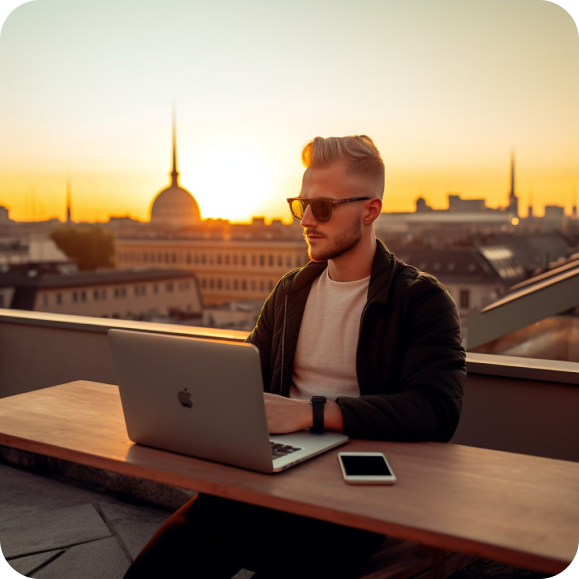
{"type": "Point", "coordinates": [473, 276]}
{"type": "Point", "coordinates": [133, 294]}
{"type": "Point", "coordinates": [175, 206]}
{"type": "Point", "coordinates": [227, 269]}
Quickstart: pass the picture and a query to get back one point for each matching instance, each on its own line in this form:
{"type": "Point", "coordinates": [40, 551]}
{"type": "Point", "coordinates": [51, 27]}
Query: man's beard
{"type": "Point", "coordinates": [344, 242]}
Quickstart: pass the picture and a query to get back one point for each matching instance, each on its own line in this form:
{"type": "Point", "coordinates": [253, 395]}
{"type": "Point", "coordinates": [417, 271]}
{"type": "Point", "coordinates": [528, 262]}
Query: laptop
{"type": "Point", "coordinates": [204, 398]}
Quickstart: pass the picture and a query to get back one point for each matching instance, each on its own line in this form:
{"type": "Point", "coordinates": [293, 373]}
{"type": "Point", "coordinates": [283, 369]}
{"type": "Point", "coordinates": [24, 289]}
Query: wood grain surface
{"type": "Point", "coordinates": [517, 509]}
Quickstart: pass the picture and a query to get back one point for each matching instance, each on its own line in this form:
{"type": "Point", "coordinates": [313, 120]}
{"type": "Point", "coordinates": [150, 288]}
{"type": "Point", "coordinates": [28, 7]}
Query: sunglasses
{"type": "Point", "coordinates": [321, 208]}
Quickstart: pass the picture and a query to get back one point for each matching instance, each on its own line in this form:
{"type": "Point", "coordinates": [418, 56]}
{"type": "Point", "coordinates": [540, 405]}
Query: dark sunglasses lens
{"type": "Point", "coordinates": [297, 208]}
{"type": "Point", "coordinates": [322, 210]}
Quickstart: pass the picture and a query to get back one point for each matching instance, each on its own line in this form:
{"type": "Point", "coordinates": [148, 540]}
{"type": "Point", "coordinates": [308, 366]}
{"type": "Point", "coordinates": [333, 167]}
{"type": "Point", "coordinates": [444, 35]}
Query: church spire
{"type": "Point", "coordinates": [513, 201]}
{"type": "Point", "coordinates": [68, 201]}
{"type": "Point", "coordinates": [174, 172]}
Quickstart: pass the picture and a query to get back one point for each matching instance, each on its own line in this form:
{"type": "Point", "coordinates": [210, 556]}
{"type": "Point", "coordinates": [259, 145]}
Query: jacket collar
{"type": "Point", "coordinates": [380, 279]}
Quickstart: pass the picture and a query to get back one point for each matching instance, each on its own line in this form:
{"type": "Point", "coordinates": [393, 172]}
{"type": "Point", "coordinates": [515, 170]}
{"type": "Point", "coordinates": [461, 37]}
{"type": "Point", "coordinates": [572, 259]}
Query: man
{"type": "Point", "coordinates": [379, 339]}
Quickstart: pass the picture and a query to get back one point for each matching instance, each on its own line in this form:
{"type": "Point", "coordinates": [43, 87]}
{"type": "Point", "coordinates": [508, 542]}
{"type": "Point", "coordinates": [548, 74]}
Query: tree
{"type": "Point", "coordinates": [91, 246]}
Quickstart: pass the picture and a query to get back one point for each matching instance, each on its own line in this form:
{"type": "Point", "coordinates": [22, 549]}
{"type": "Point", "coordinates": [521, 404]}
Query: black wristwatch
{"type": "Point", "coordinates": [317, 403]}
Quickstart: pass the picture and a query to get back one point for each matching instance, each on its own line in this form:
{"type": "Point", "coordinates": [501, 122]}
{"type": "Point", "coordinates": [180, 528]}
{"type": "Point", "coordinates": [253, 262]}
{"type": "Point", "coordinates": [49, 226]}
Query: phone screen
{"type": "Point", "coordinates": [365, 466]}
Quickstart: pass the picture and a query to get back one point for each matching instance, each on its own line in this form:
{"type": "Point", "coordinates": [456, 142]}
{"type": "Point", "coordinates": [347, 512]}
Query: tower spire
{"type": "Point", "coordinates": [513, 201]}
{"type": "Point", "coordinates": [174, 172]}
{"type": "Point", "coordinates": [68, 201]}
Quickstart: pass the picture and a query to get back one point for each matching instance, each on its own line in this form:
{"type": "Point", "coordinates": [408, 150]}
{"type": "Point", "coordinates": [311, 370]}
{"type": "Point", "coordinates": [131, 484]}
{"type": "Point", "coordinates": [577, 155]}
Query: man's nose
{"type": "Point", "coordinates": [308, 219]}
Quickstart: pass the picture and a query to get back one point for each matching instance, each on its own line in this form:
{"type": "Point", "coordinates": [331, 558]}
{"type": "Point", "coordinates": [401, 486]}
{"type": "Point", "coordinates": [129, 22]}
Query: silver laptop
{"type": "Point", "coordinates": [204, 398]}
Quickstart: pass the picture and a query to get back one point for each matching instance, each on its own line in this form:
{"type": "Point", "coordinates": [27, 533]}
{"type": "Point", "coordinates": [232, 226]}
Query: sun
{"type": "Point", "coordinates": [231, 182]}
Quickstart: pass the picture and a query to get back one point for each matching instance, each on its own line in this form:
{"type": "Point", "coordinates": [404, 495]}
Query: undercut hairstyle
{"type": "Point", "coordinates": [358, 151]}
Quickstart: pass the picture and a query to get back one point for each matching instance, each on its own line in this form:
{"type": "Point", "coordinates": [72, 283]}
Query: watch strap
{"type": "Point", "coordinates": [318, 403]}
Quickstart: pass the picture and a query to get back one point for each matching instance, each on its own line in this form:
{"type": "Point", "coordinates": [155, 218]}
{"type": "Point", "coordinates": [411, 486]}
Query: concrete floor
{"type": "Point", "coordinates": [52, 527]}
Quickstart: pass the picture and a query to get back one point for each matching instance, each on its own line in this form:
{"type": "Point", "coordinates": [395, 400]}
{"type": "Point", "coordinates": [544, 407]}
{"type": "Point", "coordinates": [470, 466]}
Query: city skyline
{"type": "Point", "coordinates": [445, 120]}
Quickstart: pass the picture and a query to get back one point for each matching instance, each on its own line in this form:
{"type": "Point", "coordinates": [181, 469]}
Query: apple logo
{"type": "Point", "coordinates": [185, 399]}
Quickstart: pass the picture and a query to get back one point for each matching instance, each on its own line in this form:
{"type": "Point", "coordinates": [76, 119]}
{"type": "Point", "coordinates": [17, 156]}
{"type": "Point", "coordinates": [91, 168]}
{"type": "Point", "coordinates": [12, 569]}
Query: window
{"type": "Point", "coordinates": [188, 258]}
{"type": "Point", "coordinates": [262, 285]}
{"type": "Point", "coordinates": [166, 258]}
{"type": "Point", "coordinates": [253, 260]}
{"type": "Point", "coordinates": [288, 261]}
{"type": "Point", "coordinates": [136, 290]}
{"type": "Point", "coordinates": [169, 286]}
{"type": "Point", "coordinates": [59, 299]}
{"type": "Point", "coordinates": [152, 258]}
{"type": "Point", "coordinates": [203, 258]}
{"type": "Point", "coordinates": [219, 283]}
{"type": "Point", "coordinates": [270, 260]}
{"type": "Point", "coordinates": [244, 260]}
{"type": "Point", "coordinates": [116, 292]}
{"type": "Point", "coordinates": [243, 285]}
{"type": "Point", "coordinates": [174, 257]}
{"type": "Point", "coordinates": [95, 294]}
{"type": "Point", "coordinates": [235, 259]}
{"type": "Point", "coordinates": [279, 260]}
{"type": "Point", "coordinates": [211, 283]}
{"type": "Point", "coordinates": [159, 257]}
{"type": "Point", "coordinates": [253, 285]}
{"type": "Point", "coordinates": [83, 296]}
{"type": "Point", "coordinates": [235, 284]}
{"type": "Point", "coordinates": [155, 289]}
{"type": "Point", "coordinates": [226, 259]}
{"type": "Point", "coordinates": [218, 259]}
{"type": "Point", "coordinates": [204, 282]}
{"type": "Point", "coordinates": [262, 260]}
{"type": "Point", "coordinates": [1, 300]}
{"type": "Point", "coordinates": [270, 285]}
{"type": "Point", "coordinates": [464, 298]}
{"type": "Point", "coordinates": [75, 296]}
{"type": "Point", "coordinates": [227, 285]}
{"type": "Point", "coordinates": [103, 294]}
{"type": "Point", "coordinates": [145, 257]}
{"type": "Point", "coordinates": [45, 299]}
{"type": "Point", "coordinates": [124, 292]}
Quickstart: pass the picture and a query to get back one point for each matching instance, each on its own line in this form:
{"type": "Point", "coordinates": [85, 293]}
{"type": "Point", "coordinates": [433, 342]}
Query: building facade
{"type": "Point", "coordinates": [137, 294]}
{"type": "Point", "coordinates": [227, 270]}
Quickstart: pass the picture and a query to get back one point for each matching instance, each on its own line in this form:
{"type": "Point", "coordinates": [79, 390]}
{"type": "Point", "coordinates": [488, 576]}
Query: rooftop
{"type": "Point", "coordinates": [112, 516]}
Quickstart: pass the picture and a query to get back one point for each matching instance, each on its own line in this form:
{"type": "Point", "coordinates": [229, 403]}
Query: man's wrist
{"type": "Point", "coordinates": [318, 423]}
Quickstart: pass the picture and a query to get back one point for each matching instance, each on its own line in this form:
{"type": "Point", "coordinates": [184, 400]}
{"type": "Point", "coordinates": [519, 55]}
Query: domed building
{"type": "Point", "coordinates": [175, 206]}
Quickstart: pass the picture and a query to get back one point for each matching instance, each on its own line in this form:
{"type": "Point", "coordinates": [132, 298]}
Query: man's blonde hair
{"type": "Point", "coordinates": [358, 151]}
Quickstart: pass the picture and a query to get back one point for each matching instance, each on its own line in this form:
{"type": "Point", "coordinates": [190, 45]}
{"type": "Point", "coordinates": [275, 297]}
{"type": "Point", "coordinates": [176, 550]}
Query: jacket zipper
{"type": "Point", "coordinates": [283, 344]}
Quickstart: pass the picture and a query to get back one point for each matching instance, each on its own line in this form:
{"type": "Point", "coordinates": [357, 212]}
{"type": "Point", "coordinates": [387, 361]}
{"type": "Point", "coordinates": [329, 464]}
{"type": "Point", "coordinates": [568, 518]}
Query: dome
{"type": "Point", "coordinates": [175, 206]}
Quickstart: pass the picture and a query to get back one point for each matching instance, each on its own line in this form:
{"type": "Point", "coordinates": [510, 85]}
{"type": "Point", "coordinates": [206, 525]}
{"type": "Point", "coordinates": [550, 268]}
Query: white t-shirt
{"type": "Point", "coordinates": [325, 360]}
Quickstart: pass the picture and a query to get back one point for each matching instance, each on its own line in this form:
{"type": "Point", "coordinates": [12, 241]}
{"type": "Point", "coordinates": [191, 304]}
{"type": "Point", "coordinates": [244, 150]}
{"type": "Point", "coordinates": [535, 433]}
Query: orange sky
{"type": "Point", "coordinates": [446, 89]}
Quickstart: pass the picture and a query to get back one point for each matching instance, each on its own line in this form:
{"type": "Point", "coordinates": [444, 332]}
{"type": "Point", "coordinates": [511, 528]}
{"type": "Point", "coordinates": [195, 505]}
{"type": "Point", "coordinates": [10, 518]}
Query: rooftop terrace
{"type": "Point", "coordinates": [98, 521]}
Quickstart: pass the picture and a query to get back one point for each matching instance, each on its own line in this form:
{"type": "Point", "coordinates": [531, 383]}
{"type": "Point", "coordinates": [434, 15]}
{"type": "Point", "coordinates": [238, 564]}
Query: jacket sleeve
{"type": "Point", "coordinates": [262, 335]}
{"type": "Point", "coordinates": [432, 374]}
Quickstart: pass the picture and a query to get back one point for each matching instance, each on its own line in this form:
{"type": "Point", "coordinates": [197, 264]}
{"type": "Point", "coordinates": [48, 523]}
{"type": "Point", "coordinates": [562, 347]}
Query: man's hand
{"type": "Point", "coordinates": [290, 414]}
{"type": "Point", "coordinates": [286, 414]}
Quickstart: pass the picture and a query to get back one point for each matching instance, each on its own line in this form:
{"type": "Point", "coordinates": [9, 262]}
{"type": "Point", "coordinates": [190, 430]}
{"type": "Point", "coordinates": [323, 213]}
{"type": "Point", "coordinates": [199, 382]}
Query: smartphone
{"type": "Point", "coordinates": [366, 468]}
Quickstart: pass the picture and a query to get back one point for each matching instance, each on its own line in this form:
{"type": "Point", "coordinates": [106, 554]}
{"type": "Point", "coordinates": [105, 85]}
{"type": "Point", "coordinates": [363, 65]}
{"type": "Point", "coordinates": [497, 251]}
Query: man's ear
{"type": "Point", "coordinates": [373, 211]}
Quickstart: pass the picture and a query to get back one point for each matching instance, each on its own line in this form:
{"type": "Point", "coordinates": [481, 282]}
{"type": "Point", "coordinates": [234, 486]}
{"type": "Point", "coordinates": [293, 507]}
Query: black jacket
{"type": "Point", "coordinates": [410, 361]}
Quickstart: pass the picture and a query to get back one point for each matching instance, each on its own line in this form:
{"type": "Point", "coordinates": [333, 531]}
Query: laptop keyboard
{"type": "Point", "coordinates": [278, 450]}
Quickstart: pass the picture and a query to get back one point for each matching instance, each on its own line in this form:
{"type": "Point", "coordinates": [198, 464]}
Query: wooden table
{"type": "Point", "coordinates": [517, 509]}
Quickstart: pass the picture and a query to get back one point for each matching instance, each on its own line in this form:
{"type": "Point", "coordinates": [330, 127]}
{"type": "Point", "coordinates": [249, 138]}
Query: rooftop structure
{"type": "Point", "coordinates": [175, 206]}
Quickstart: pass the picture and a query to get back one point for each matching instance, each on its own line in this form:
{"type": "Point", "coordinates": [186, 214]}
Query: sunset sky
{"type": "Point", "coordinates": [446, 88]}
